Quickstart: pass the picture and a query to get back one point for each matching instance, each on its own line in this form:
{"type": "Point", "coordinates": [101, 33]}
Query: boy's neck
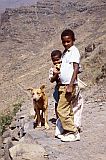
{"type": "Point", "coordinates": [68, 49]}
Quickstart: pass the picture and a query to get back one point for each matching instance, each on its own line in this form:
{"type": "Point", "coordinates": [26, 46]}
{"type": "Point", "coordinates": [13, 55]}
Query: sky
{"type": "Point", "coordinates": [14, 3]}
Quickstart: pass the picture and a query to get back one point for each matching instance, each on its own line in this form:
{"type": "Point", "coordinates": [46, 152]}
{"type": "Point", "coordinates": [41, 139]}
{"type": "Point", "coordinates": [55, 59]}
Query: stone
{"type": "Point", "coordinates": [28, 151]}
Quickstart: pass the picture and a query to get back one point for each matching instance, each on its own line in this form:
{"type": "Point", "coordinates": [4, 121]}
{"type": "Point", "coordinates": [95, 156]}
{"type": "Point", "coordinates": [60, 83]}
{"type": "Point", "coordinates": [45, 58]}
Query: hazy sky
{"type": "Point", "coordinates": [14, 3]}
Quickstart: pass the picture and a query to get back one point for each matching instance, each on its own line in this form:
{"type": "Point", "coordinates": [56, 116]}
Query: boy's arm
{"type": "Point", "coordinates": [54, 78]}
{"type": "Point", "coordinates": [69, 87]}
{"type": "Point", "coordinates": [53, 75]}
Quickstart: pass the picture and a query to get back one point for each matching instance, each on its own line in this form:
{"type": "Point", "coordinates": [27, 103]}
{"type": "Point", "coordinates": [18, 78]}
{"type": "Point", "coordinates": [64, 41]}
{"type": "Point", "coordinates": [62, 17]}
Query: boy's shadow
{"type": "Point", "coordinates": [53, 120]}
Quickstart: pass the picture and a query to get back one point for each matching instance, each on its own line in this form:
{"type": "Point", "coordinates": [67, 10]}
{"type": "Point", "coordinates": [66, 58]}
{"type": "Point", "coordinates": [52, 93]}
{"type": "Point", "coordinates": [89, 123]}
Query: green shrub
{"type": "Point", "coordinates": [6, 119]}
{"type": "Point", "coordinates": [16, 108]}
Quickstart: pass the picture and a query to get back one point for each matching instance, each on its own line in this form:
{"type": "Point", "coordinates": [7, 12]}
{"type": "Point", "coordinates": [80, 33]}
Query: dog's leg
{"type": "Point", "coordinates": [46, 119]}
{"type": "Point", "coordinates": [35, 117]}
{"type": "Point", "coordinates": [38, 118]}
{"type": "Point", "coordinates": [42, 119]}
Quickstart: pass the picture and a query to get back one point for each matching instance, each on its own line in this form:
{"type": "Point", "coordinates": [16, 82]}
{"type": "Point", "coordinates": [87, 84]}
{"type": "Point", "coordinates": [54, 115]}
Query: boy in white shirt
{"type": "Point", "coordinates": [68, 87]}
{"type": "Point", "coordinates": [77, 102]}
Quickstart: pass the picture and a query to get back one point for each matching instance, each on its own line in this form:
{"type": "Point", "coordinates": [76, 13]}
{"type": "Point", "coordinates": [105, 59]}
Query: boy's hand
{"type": "Point", "coordinates": [58, 66]}
{"type": "Point", "coordinates": [55, 71]}
{"type": "Point", "coordinates": [69, 88]}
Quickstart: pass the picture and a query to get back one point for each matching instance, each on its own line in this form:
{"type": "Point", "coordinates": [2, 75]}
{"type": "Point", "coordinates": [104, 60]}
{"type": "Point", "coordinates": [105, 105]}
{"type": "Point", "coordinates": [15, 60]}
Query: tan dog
{"type": "Point", "coordinates": [40, 102]}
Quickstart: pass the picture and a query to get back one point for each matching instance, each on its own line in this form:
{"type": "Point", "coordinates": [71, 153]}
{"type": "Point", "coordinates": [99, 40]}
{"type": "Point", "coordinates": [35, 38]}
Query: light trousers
{"type": "Point", "coordinates": [65, 109]}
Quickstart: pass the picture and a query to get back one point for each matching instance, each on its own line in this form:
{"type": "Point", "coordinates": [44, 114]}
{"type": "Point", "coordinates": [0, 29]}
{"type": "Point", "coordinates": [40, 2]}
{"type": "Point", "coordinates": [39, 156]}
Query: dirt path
{"type": "Point", "coordinates": [92, 145]}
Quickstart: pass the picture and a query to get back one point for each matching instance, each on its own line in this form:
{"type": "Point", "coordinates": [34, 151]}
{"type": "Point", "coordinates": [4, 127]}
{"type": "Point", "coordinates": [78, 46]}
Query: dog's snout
{"type": "Point", "coordinates": [36, 96]}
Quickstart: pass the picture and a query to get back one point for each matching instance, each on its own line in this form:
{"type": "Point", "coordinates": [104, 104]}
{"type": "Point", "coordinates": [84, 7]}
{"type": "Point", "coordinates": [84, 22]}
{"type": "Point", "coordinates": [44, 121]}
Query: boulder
{"type": "Point", "coordinates": [28, 151]}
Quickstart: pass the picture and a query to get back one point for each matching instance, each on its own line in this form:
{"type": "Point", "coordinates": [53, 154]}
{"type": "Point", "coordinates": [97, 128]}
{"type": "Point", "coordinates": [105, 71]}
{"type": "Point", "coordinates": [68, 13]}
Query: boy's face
{"type": "Point", "coordinates": [56, 60]}
{"type": "Point", "coordinates": [67, 42]}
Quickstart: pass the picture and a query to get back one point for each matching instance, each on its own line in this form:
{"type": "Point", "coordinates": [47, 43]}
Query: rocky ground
{"type": "Point", "coordinates": [43, 144]}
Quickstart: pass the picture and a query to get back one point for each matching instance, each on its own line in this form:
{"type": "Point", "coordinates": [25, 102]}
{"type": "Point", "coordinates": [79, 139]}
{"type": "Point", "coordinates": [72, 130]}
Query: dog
{"type": "Point", "coordinates": [40, 102]}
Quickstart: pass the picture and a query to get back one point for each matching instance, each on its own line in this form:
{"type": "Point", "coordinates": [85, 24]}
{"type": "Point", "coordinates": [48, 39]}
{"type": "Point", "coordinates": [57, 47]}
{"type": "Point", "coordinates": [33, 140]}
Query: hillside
{"type": "Point", "coordinates": [29, 34]}
{"type": "Point", "coordinates": [27, 37]}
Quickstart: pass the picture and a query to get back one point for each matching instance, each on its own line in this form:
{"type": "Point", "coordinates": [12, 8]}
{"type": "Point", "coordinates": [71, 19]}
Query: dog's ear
{"type": "Point", "coordinates": [29, 89]}
{"type": "Point", "coordinates": [42, 88]}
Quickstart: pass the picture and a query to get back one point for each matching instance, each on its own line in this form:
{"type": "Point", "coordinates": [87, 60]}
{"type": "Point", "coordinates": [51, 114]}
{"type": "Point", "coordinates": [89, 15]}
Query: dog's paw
{"type": "Point", "coordinates": [47, 126]}
{"type": "Point", "coordinates": [39, 125]}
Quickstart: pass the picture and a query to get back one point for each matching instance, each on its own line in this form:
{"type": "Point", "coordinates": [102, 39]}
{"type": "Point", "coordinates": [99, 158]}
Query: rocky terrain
{"type": "Point", "coordinates": [21, 141]}
{"type": "Point", "coordinates": [27, 37]}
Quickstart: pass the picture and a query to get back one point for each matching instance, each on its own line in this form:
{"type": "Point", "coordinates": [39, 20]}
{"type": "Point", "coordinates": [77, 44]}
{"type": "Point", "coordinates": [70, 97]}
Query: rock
{"type": "Point", "coordinates": [1, 140]}
{"type": "Point", "coordinates": [29, 139]}
{"type": "Point", "coordinates": [14, 134]}
{"type": "Point", "coordinates": [7, 134]}
{"type": "Point", "coordinates": [89, 48]}
{"type": "Point", "coordinates": [28, 126]}
{"type": "Point", "coordinates": [28, 151]}
{"type": "Point", "coordinates": [13, 125]}
{"type": "Point", "coordinates": [32, 112]}
{"type": "Point", "coordinates": [8, 145]}
{"type": "Point", "coordinates": [6, 140]}
{"type": "Point", "coordinates": [1, 153]}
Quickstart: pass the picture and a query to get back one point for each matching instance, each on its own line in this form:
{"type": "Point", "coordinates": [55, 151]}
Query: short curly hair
{"type": "Point", "coordinates": [56, 53]}
{"type": "Point", "coordinates": [68, 32]}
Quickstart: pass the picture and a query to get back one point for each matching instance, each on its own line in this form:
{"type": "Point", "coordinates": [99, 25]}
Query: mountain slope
{"type": "Point", "coordinates": [29, 34]}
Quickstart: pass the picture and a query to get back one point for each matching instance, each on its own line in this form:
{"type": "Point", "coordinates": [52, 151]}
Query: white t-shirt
{"type": "Point", "coordinates": [50, 73]}
{"type": "Point", "coordinates": [66, 70]}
